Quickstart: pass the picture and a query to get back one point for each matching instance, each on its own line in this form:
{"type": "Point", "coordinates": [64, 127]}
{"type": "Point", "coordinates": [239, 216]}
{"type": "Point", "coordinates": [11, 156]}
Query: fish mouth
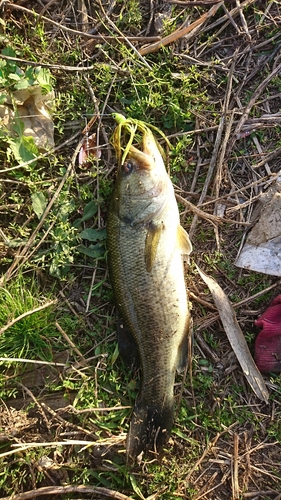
{"type": "Point", "coordinates": [148, 157]}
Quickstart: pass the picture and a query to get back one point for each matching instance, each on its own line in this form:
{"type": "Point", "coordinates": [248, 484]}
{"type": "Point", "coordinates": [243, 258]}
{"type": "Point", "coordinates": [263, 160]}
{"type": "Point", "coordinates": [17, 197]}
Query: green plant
{"type": "Point", "coordinates": [35, 335]}
{"type": "Point", "coordinates": [13, 79]}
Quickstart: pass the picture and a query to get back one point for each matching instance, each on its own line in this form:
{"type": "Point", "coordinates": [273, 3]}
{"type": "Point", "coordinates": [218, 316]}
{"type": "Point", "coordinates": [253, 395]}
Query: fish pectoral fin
{"type": "Point", "coordinates": [151, 244]}
{"type": "Point", "coordinates": [184, 243]}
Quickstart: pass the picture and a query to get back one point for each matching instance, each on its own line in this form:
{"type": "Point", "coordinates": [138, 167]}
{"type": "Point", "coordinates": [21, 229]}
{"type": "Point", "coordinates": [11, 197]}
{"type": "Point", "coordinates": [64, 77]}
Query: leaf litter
{"type": "Point", "coordinates": [241, 45]}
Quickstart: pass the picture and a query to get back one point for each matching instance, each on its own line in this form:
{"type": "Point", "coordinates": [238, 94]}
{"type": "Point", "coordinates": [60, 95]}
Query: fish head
{"type": "Point", "coordinates": [142, 182]}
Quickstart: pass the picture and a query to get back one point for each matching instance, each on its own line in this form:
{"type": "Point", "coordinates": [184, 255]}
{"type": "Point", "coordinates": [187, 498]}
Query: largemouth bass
{"type": "Point", "coordinates": [146, 246]}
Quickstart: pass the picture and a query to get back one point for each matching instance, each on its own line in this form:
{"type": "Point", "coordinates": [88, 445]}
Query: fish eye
{"type": "Point", "coordinates": [128, 167]}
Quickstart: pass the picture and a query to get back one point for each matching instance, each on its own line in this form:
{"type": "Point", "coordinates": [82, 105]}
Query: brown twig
{"type": "Point", "coordinates": [211, 445]}
{"type": "Point", "coordinates": [234, 468]}
{"type": "Point", "coordinates": [66, 490]}
{"type": "Point", "coordinates": [173, 37]}
{"type": "Point", "coordinates": [251, 103]}
{"type": "Point", "coordinates": [81, 33]}
{"type": "Point", "coordinates": [27, 313]}
{"type": "Point", "coordinates": [210, 171]}
{"type": "Point", "coordinates": [69, 341]}
{"type": "Point", "coordinates": [213, 219]}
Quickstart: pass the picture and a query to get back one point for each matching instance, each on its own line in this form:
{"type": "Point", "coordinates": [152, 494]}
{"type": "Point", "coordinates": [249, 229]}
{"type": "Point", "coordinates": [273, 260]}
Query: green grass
{"type": "Point", "coordinates": [35, 335]}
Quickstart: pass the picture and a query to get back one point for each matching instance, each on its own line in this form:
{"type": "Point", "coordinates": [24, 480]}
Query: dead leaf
{"type": "Point", "coordinates": [236, 337]}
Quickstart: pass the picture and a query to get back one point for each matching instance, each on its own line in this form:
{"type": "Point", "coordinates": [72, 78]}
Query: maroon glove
{"type": "Point", "coordinates": [268, 341]}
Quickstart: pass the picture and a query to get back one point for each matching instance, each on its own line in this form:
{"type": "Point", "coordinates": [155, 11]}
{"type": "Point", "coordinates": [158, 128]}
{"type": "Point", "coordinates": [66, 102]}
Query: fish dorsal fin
{"type": "Point", "coordinates": [151, 244]}
{"type": "Point", "coordinates": [184, 243]}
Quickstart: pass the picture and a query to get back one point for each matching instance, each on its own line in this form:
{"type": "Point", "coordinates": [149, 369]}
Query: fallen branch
{"type": "Point", "coordinates": [173, 37]}
{"type": "Point", "coordinates": [63, 490]}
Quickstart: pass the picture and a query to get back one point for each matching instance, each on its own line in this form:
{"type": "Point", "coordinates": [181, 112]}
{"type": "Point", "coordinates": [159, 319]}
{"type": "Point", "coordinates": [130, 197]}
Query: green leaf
{"type": "Point", "coordinates": [15, 243]}
{"type": "Point", "coordinates": [23, 148]}
{"type": "Point", "coordinates": [89, 211]}
{"type": "Point", "coordinates": [18, 127]}
{"type": "Point", "coordinates": [96, 251]}
{"type": "Point", "coordinates": [8, 51]}
{"type": "Point", "coordinates": [14, 76]}
{"type": "Point", "coordinates": [77, 222]}
{"type": "Point", "coordinates": [93, 234]}
{"type": "Point", "coordinates": [44, 78]}
{"type": "Point", "coordinates": [3, 98]}
{"type": "Point", "coordinates": [22, 84]}
{"type": "Point", "coordinates": [39, 203]}
{"type": "Point", "coordinates": [135, 487]}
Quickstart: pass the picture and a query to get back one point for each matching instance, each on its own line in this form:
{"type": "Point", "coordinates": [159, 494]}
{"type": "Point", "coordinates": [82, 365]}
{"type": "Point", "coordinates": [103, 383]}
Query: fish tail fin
{"type": "Point", "coordinates": [150, 429]}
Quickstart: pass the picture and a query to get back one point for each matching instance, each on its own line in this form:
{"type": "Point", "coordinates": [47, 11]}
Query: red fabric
{"type": "Point", "coordinates": [268, 341]}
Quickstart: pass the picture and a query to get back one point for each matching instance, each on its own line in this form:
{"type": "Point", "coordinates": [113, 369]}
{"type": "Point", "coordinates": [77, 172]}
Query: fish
{"type": "Point", "coordinates": [146, 248]}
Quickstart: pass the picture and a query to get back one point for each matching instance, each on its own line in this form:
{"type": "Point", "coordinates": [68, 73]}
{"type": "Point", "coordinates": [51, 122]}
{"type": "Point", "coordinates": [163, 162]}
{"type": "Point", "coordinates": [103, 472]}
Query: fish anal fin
{"type": "Point", "coordinates": [184, 243]}
{"type": "Point", "coordinates": [153, 234]}
{"type": "Point", "coordinates": [127, 346]}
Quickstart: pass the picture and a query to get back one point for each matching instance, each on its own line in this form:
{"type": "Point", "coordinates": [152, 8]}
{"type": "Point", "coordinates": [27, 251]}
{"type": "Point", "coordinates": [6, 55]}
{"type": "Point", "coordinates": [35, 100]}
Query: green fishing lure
{"type": "Point", "coordinates": [127, 131]}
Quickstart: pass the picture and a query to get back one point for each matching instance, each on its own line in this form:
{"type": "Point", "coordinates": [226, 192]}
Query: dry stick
{"type": "Point", "coordinates": [68, 424]}
{"type": "Point", "coordinates": [234, 468]}
{"type": "Point", "coordinates": [210, 172]}
{"type": "Point", "coordinates": [210, 321]}
{"type": "Point", "coordinates": [81, 33]}
{"type": "Point", "coordinates": [262, 180]}
{"type": "Point", "coordinates": [95, 101]}
{"type": "Point", "coordinates": [27, 313]}
{"type": "Point", "coordinates": [213, 219]}
{"type": "Point", "coordinates": [267, 158]}
{"type": "Point", "coordinates": [195, 3]}
{"type": "Point", "coordinates": [91, 289]}
{"type": "Point", "coordinates": [228, 129]}
{"type": "Point", "coordinates": [251, 103]}
{"type": "Point", "coordinates": [199, 162]}
{"type": "Point", "coordinates": [222, 481]}
{"type": "Point", "coordinates": [243, 21]}
{"type": "Point", "coordinates": [206, 451]}
{"type": "Point", "coordinates": [258, 494]}
{"type": "Point", "coordinates": [178, 33]}
{"type": "Point", "coordinates": [252, 124]}
{"type": "Point", "coordinates": [221, 154]}
{"type": "Point", "coordinates": [63, 490]}
{"type": "Point", "coordinates": [205, 303]}
{"type": "Point", "coordinates": [109, 11]}
{"type": "Point", "coordinates": [139, 55]}
{"type": "Point", "coordinates": [232, 13]}
{"type": "Point", "coordinates": [241, 206]}
{"type": "Point", "coordinates": [231, 20]}
{"type": "Point", "coordinates": [69, 341]}
{"type": "Point", "coordinates": [22, 256]}
{"type": "Point", "coordinates": [260, 151]}
{"type": "Point", "coordinates": [32, 362]}
{"type": "Point", "coordinates": [68, 304]}
{"type": "Point", "coordinates": [47, 65]}
{"type": "Point", "coordinates": [39, 406]}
